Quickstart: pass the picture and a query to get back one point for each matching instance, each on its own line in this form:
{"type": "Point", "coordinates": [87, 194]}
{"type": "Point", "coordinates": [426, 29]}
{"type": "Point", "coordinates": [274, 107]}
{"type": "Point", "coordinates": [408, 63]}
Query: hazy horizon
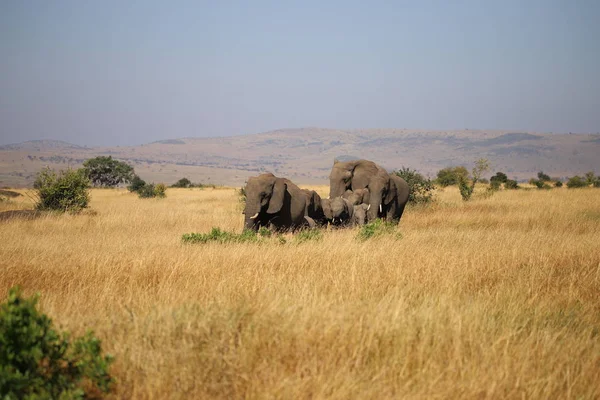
{"type": "Point", "coordinates": [125, 74]}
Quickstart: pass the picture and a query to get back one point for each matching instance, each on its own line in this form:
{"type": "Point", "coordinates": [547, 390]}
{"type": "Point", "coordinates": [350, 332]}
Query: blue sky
{"type": "Point", "coordinates": [122, 73]}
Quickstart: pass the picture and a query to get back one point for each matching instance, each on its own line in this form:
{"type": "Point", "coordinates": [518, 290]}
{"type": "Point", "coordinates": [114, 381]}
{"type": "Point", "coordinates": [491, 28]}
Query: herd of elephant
{"type": "Point", "coordinates": [360, 191]}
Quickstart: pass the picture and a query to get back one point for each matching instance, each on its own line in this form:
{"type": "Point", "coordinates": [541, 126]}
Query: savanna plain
{"type": "Point", "coordinates": [498, 297]}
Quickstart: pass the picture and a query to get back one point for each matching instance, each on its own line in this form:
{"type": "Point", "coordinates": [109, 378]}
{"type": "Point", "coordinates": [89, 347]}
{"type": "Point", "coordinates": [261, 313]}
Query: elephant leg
{"type": "Point", "coordinates": [311, 222]}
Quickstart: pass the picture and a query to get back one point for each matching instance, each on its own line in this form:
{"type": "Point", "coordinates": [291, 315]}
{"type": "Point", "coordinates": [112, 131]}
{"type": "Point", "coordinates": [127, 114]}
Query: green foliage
{"type": "Point", "coordinates": [182, 183]}
{"type": "Point", "coordinates": [576, 182]}
{"type": "Point", "coordinates": [596, 183]}
{"type": "Point", "coordinates": [219, 236]}
{"type": "Point", "coordinates": [137, 184]}
{"type": "Point", "coordinates": [466, 189]}
{"type": "Point", "coordinates": [150, 190]}
{"type": "Point", "coordinates": [309, 235]}
{"type": "Point", "coordinates": [63, 191]}
{"type": "Point", "coordinates": [495, 185]}
{"type": "Point", "coordinates": [511, 184]}
{"type": "Point", "coordinates": [450, 176]}
{"type": "Point", "coordinates": [540, 184]}
{"type": "Point", "coordinates": [37, 362]}
{"type": "Point", "coordinates": [543, 177]}
{"type": "Point", "coordinates": [558, 183]}
{"type": "Point", "coordinates": [377, 228]}
{"type": "Point", "coordinates": [421, 188]}
{"type": "Point", "coordinates": [160, 190]}
{"type": "Point", "coordinates": [108, 172]}
{"type": "Point", "coordinates": [590, 178]}
{"type": "Point", "coordinates": [499, 177]}
{"type": "Point", "coordinates": [263, 231]}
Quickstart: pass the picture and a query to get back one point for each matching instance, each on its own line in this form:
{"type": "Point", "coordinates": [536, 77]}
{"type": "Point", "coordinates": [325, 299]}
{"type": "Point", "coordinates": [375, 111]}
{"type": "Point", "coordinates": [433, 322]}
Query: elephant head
{"type": "Point", "coordinates": [264, 195]}
{"type": "Point", "coordinates": [314, 208]}
{"type": "Point", "coordinates": [337, 210]}
{"type": "Point", "coordinates": [361, 174]}
{"type": "Point", "coordinates": [360, 214]}
{"type": "Point", "coordinates": [358, 196]}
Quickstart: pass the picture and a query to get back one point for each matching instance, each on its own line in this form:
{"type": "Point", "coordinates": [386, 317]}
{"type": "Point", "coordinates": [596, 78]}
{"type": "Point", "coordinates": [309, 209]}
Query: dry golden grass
{"type": "Point", "coordinates": [495, 298]}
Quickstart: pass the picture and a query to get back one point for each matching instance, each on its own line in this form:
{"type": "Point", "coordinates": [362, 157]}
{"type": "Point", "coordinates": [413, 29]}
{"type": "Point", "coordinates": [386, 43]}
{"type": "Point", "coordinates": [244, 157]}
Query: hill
{"type": "Point", "coordinates": [305, 155]}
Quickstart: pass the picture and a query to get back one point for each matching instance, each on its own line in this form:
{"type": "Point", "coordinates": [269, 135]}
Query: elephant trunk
{"type": "Point", "coordinates": [252, 215]}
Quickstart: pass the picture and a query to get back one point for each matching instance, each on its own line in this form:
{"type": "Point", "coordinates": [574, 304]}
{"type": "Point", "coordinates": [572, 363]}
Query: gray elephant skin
{"type": "Point", "coordinates": [275, 202]}
{"type": "Point", "coordinates": [361, 174]}
{"type": "Point", "coordinates": [393, 210]}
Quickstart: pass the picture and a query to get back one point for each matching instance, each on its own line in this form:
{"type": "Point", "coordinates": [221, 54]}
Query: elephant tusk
{"type": "Point", "coordinates": [254, 216]}
{"type": "Point", "coordinates": [333, 221]}
{"type": "Point", "coordinates": [369, 207]}
{"type": "Point", "coordinates": [380, 208]}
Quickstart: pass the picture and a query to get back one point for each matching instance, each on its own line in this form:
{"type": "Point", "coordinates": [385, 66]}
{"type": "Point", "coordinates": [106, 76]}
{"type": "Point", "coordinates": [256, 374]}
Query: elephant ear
{"type": "Point", "coordinates": [391, 192]}
{"type": "Point", "coordinates": [277, 197]}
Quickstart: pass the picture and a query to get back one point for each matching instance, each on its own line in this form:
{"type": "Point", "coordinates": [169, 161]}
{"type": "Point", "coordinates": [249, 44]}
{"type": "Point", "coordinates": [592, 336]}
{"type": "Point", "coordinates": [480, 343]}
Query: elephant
{"type": "Point", "coordinates": [361, 174]}
{"type": "Point", "coordinates": [314, 208]}
{"type": "Point", "coordinates": [360, 214]}
{"type": "Point", "coordinates": [338, 211]}
{"type": "Point", "coordinates": [393, 210]}
{"type": "Point", "coordinates": [275, 202]}
{"type": "Point", "coordinates": [359, 196]}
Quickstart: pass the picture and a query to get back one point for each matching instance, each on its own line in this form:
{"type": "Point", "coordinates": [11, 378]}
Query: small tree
{"type": "Point", "coordinates": [421, 188]}
{"type": "Point", "coordinates": [37, 362]}
{"type": "Point", "coordinates": [150, 190]}
{"type": "Point", "coordinates": [63, 191]}
{"type": "Point", "coordinates": [590, 179]}
{"type": "Point", "coordinates": [543, 177]}
{"type": "Point", "coordinates": [182, 183]}
{"type": "Point", "coordinates": [108, 172]}
{"type": "Point", "coordinates": [450, 176]}
{"type": "Point", "coordinates": [576, 182]}
{"type": "Point", "coordinates": [499, 177]}
{"type": "Point", "coordinates": [136, 184]}
{"type": "Point", "coordinates": [558, 183]}
{"type": "Point", "coordinates": [511, 184]}
{"type": "Point", "coordinates": [466, 189]}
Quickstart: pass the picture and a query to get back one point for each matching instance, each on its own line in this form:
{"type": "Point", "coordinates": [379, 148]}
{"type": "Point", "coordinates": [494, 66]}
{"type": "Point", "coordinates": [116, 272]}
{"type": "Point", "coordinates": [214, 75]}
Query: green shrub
{"type": "Point", "coordinates": [543, 177]}
{"type": "Point", "coordinates": [450, 176]}
{"type": "Point", "coordinates": [309, 235]}
{"type": "Point", "coordinates": [64, 191]}
{"type": "Point", "coordinates": [590, 178]}
{"type": "Point", "coordinates": [182, 183]}
{"type": "Point", "coordinates": [37, 362]}
{"type": "Point", "coordinates": [466, 189]}
{"type": "Point", "coordinates": [150, 190]}
{"type": "Point", "coordinates": [558, 184]}
{"type": "Point", "coordinates": [219, 236]}
{"type": "Point", "coordinates": [495, 185]}
{"type": "Point", "coordinates": [596, 183]}
{"type": "Point", "coordinates": [499, 177]}
{"type": "Point", "coordinates": [375, 229]}
{"type": "Point", "coordinates": [576, 182]}
{"type": "Point", "coordinates": [136, 185]}
{"type": "Point", "coordinates": [421, 188]}
{"type": "Point", "coordinates": [160, 190]}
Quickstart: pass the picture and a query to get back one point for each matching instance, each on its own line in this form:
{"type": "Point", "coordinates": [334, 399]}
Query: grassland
{"type": "Point", "coordinates": [495, 298]}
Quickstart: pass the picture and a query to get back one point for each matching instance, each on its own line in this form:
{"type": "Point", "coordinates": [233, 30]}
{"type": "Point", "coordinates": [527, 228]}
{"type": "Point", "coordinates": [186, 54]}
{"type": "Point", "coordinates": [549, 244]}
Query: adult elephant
{"type": "Point", "coordinates": [399, 192]}
{"type": "Point", "coordinates": [276, 202]}
{"type": "Point", "coordinates": [361, 174]}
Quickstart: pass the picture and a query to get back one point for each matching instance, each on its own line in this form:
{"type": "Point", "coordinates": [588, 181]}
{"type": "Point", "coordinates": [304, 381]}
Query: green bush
{"type": "Point", "coordinates": [219, 236]}
{"type": "Point", "coordinates": [150, 190]}
{"type": "Point", "coordinates": [558, 184]}
{"type": "Point", "coordinates": [421, 188]}
{"type": "Point", "coordinates": [377, 228]}
{"type": "Point", "coordinates": [37, 362]}
{"type": "Point", "coordinates": [182, 183]}
{"type": "Point", "coordinates": [543, 177]}
{"type": "Point", "coordinates": [576, 182]}
{"type": "Point", "coordinates": [309, 235]}
{"type": "Point", "coordinates": [495, 185]}
{"type": "Point", "coordinates": [499, 177]}
{"type": "Point", "coordinates": [450, 176]}
{"type": "Point", "coordinates": [137, 184]}
{"type": "Point", "coordinates": [466, 189]}
{"type": "Point", "coordinates": [63, 191]}
{"type": "Point", "coordinates": [511, 184]}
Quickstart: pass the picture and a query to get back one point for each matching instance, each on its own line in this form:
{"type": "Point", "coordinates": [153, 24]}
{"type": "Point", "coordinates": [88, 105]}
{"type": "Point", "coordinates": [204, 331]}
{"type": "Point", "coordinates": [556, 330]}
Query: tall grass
{"type": "Point", "coordinates": [494, 298]}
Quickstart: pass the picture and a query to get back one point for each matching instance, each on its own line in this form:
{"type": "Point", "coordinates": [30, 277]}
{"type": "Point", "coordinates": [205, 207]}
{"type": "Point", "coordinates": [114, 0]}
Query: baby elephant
{"type": "Point", "coordinates": [358, 196]}
{"type": "Point", "coordinates": [359, 216]}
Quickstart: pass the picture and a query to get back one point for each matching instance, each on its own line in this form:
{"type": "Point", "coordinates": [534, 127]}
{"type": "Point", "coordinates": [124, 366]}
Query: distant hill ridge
{"type": "Point", "coordinates": [306, 154]}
